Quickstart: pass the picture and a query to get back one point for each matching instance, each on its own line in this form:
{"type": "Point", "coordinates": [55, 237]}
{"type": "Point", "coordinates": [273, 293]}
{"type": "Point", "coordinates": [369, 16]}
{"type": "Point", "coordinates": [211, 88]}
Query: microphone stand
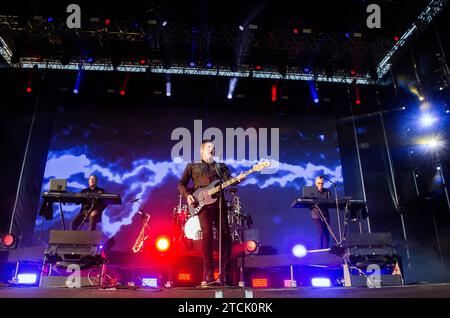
{"type": "Point", "coordinates": [219, 278]}
{"type": "Point", "coordinates": [337, 209]}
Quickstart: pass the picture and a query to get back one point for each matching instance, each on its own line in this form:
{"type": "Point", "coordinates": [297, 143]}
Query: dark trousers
{"type": "Point", "coordinates": [76, 222]}
{"type": "Point", "coordinates": [322, 235]}
{"type": "Point", "coordinates": [209, 217]}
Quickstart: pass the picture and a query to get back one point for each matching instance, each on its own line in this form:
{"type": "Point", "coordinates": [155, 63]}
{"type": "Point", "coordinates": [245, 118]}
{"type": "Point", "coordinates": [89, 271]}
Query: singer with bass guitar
{"type": "Point", "coordinates": [203, 173]}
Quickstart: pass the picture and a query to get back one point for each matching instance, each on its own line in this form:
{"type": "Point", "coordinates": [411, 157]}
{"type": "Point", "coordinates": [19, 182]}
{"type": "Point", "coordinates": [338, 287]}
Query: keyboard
{"type": "Point", "coordinates": [307, 203]}
{"type": "Point", "coordinates": [80, 197]}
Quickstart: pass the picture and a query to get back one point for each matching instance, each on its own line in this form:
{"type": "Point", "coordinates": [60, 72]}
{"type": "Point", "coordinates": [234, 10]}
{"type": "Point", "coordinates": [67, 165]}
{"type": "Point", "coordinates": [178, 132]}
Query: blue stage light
{"type": "Point", "coordinates": [427, 120]}
{"type": "Point", "coordinates": [320, 282]}
{"type": "Point", "coordinates": [26, 279]}
{"type": "Point", "coordinates": [150, 282]}
{"type": "Point", "coordinates": [299, 250]}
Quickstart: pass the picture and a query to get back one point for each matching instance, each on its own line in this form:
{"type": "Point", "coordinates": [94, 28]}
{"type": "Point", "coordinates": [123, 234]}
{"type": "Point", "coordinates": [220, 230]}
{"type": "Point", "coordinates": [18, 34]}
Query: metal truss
{"type": "Point", "coordinates": [28, 63]}
{"type": "Point", "coordinates": [326, 49]}
{"type": "Point", "coordinates": [423, 20]}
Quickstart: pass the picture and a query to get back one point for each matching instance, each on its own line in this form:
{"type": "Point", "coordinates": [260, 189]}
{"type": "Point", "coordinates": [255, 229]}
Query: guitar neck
{"type": "Point", "coordinates": [229, 182]}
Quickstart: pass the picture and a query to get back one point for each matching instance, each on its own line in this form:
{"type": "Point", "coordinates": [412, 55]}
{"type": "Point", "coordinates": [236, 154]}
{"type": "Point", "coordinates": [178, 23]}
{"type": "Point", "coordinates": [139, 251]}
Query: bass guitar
{"type": "Point", "coordinates": [207, 195]}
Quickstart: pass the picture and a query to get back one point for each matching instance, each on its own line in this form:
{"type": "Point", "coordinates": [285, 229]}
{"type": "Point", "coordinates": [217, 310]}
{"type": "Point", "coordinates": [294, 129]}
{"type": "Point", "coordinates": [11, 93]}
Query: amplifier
{"type": "Point", "coordinates": [371, 251]}
{"type": "Point", "coordinates": [386, 280]}
{"type": "Point", "coordinates": [368, 239]}
{"type": "Point", "coordinates": [75, 237]}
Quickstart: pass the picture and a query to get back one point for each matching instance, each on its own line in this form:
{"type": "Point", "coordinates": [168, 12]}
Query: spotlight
{"type": "Point", "coordinates": [316, 101]}
{"type": "Point", "coordinates": [299, 250]}
{"type": "Point", "coordinates": [29, 89]}
{"type": "Point", "coordinates": [26, 279]}
{"type": "Point", "coordinates": [107, 21]}
{"type": "Point", "coordinates": [260, 282]}
{"type": "Point", "coordinates": [50, 19]}
{"type": "Point", "coordinates": [209, 65]}
{"type": "Point", "coordinates": [192, 64]}
{"type": "Point", "coordinates": [231, 87]}
{"type": "Point", "coordinates": [438, 168]}
{"type": "Point", "coordinates": [295, 30]}
{"type": "Point", "coordinates": [164, 23]}
{"type": "Point", "coordinates": [162, 244]}
{"type": "Point", "coordinates": [320, 282]}
{"type": "Point", "coordinates": [251, 247]}
{"type": "Point", "coordinates": [396, 38]}
{"type": "Point", "coordinates": [241, 27]}
{"type": "Point", "coordinates": [168, 89]}
{"type": "Point", "coordinates": [150, 282]}
{"type": "Point", "coordinates": [186, 277]}
{"type": "Point", "coordinates": [347, 35]}
{"type": "Point", "coordinates": [358, 102]}
{"type": "Point", "coordinates": [258, 67]}
{"type": "Point", "coordinates": [142, 61]}
{"type": "Point", "coordinates": [75, 91]}
{"type": "Point", "coordinates": [306, 70]}
{"type": "Point", "coordinates": [122, 92]}
{"type": "Point", "coordinates": [274, 92]}
{"type": "Point", "coordinates": [353, 72]}
{"type": "Point", "coordinates": [433, 143]}
{"type": "Point", "coordinates": [8, 241]}
{"type": "Point", "coordinates": [427, 120]}
{"type": "Point", "coordinates": [448, 111]}
{"type": "Point", "coordinates": [90, 60]}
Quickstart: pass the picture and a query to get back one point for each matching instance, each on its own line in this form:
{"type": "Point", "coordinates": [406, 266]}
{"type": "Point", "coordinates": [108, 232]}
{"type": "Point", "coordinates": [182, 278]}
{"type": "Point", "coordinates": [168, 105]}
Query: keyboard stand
{"type": "Point", "coordinates": [62, 215]}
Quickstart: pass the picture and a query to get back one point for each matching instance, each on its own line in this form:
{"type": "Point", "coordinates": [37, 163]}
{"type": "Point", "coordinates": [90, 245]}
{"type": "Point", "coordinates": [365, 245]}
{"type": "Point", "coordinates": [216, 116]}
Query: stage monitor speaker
{"type": "Point", "coordinates": [74, 247]}
{"type": "Point", "coordinates": [368, 239]}
{"type": "Point", "coordinates": [386, 280]}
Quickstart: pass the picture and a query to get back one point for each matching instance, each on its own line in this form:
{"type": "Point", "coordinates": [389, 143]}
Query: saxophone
{"type": "Point", "coordinates": [142, 237]}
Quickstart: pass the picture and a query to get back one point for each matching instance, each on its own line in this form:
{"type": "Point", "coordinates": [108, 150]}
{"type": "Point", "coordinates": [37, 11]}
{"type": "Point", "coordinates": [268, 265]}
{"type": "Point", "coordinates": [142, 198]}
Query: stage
{"type": "Point", "coordinates": [406, 291]}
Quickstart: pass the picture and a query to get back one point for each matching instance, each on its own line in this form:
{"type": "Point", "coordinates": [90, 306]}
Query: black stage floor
{"type": "Point", "coordinates": [406, 291]}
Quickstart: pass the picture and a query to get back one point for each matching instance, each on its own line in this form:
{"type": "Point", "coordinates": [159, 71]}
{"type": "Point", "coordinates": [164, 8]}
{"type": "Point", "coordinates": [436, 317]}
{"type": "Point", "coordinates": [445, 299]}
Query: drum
{"type": "Point", "coordinates": [181, 215]}
{"type": "Point", "coordinates": [192, 228]}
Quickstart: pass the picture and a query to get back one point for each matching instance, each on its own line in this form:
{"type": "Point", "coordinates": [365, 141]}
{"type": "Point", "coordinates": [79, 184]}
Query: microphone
{"type": "Point", "coordinates": [143, 214]}
{"type": "Point", "coordinates": [325, 178]}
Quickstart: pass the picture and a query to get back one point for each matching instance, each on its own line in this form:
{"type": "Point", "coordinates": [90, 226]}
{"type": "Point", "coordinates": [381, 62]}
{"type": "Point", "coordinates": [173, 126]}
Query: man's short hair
{"type": "Point", "coordinates": [204, 142]}
{"type": "Point", "coordinates": [319, 178]}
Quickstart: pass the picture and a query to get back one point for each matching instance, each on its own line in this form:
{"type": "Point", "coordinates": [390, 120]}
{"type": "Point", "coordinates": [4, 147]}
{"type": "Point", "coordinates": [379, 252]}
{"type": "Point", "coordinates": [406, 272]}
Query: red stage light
{"type": "Point", "coordinates": [396, 38]}
{"type": "Point", "coordinates": [260, 282]}
{"type": "Point", "coordinates": [8, 240]}
{"type": "Point", "coordinates": [353, 72]}
{"type": "Point", "coordinates": [358, 102]}
{"type": "Point", "coordinates": [122, 92]}
{"type": "Point", "coordinates": [162, 244]}
{"type": "Point", "coordinates": [251, 246]}
{"type": "Point", "coordinates": [184, 277]}
{"type": "Point", "coordinates": [295, 30]}
{"type": "Point", "coordinates": [29, 89]}
{"type": "Point", "coordinates": [142, 61]}
{"type": "Point", "coordinates": [258, 67]}
{"type": "Point", "coordinates": [107, 21]}
{"type": "Point", "coordinates": [274, 92]}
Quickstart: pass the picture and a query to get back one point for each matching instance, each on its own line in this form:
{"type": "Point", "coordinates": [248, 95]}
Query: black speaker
{"type": "Point", "coordinates": [385, 280]}
{"type": "Point", "coordinates": [368, 239]}
{"type": "Point", "coordinates": [74, 247]}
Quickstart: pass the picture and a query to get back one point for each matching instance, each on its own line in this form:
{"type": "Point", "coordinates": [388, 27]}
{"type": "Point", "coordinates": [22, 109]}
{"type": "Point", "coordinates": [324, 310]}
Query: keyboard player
{"type": "Point", "coordinates": [91, 211]}
{"type": "Point", "coordinates": [322, 235]}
